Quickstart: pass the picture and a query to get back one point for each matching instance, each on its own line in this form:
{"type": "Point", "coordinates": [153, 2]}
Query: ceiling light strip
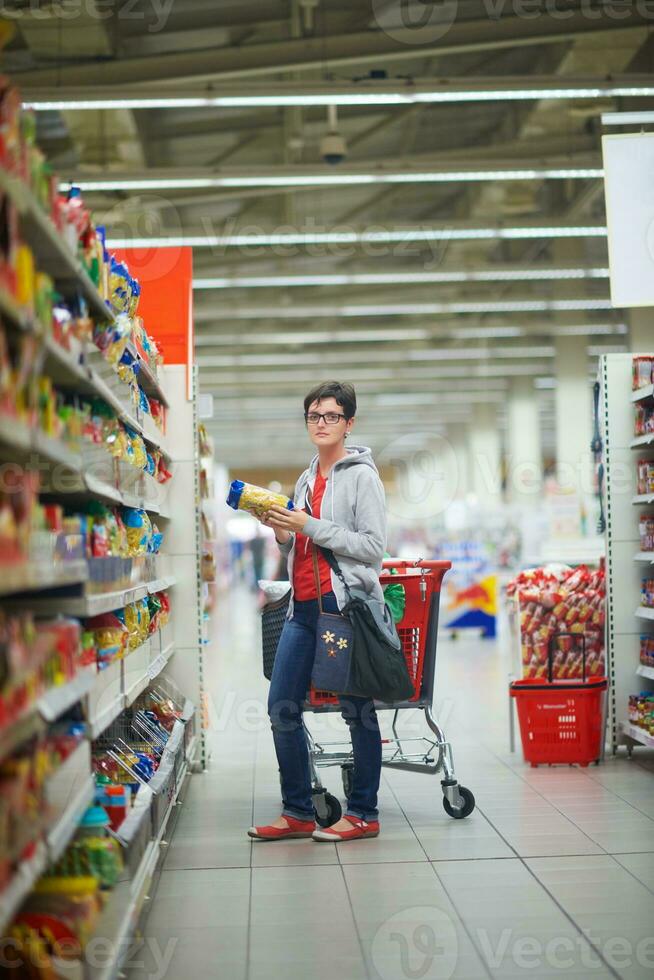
{"type": "Point", "coordinates": [402, 309]}
{"type": "Point", "coordinates": [362, 94]}
{"type": "Point", "coordinates": [351, 237]}
{"type": "Point", "coordinates": [118, 184]}
{"type": "Point", "coordinates": [399, 278]}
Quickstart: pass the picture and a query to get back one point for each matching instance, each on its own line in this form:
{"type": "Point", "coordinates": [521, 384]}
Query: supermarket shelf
{"type": "Point", "coordinates": [642, 393]}
{"type": "Point", "coordinates": [106, 715]}
{"type": "Point", "coordinates": [33, 575]}
{"type": "Point", "coordinates": [95, 487]}
{"type": "Point", "coordinates": [123, 910]}
{"type": "Point", "coordinates": [11, 311]}
{"type": "Point", "coordinates": [644, 671]}
{"type": "Point", "coordinates": [147, 377]}
{"type": "Point", "coordinates": [643, 498]}
{"type": "Point", "coordinates": [643, 612]}
{"type": "Point", "coordinates": [644, 556]}
{"type": "Point", "coordinates": [60, 834]}
{"type": "Point", "coordinates": [19, 731]}
{"type": "Point", "coordinates": [51, 251]}
{"type": "Point", "coordinates": [639, 441]}
{"type": "Point", "coordinates": [138, 685]}
{"type": "Point", "coordinates": [21, 884]}
{"type": "Point", "coordinates": [95, 605]}
{"type": "Point", "coordinates": [54, 702]}
{"type": "Point", "coordinates": [637, 734]}
{"type": "Point", "coordinates": [21, 440]}
{"type": "Point", "coordinates": [160, 662]}
{"type": "Point", "coordinates": [120, 918]}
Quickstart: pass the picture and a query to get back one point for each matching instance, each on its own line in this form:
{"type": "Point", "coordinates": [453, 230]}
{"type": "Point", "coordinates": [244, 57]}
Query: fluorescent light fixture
{"type": "Point", "coordinates": [584, 329]}
{"type": "Point", "coordinates": [385, 236]}
{"type": "Point", "coordinates": [353, 94]}
{"type": "Point", "coordinates": [486, 333]}
{"type": "Point", "coordinates": [365, 357]}
{"type": "Point", "coordinates": [303, 338]}
{"type": "Point", "coordinates": [114, 184]}
{"type": "Point", "coordinates": [627, 118]}
{"type": "Point", "coordinates": [399, 278]}
{"type": "Point", "coordinates": [401, 309]}
{"type": "Point", "coordinates": [477, 353]}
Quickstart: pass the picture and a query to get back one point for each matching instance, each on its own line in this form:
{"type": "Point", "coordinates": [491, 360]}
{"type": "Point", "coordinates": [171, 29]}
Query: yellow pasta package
{"type": "Point", "coordinates": [256, 500]}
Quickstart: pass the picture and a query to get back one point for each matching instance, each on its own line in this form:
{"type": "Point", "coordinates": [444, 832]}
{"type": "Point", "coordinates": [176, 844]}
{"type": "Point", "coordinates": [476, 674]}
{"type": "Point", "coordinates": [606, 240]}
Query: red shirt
{"type": "Point", "coordinates": [304, 582]}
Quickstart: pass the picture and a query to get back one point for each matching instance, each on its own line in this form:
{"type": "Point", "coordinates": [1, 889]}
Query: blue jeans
{"type": "Point", "coordinates": [288, 690]}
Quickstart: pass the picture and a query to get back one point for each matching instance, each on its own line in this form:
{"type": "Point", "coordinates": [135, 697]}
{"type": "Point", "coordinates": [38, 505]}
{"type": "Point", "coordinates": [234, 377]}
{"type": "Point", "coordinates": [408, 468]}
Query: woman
{"type": "Point", "coordinates": [340, 505]}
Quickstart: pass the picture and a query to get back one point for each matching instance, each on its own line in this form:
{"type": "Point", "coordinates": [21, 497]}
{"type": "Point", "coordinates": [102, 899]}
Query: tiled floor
{"type": "Point", "coordinates": [552, 875]}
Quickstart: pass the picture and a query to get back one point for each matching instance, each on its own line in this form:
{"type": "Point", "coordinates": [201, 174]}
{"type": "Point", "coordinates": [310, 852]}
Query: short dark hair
{"type": "Point", "coordinates": [342, 393]}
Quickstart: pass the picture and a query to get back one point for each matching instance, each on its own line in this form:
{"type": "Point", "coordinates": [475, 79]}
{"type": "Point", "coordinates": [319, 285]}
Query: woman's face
{"type": "Point", "coordinates": [322, 433]}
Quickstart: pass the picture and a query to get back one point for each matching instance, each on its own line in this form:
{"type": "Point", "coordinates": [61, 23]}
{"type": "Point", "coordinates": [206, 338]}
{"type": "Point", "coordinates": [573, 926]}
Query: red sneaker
{"type": "Point", "coordinates": [360, 828]}
{"type": "Point", "coordinates": [296, 828]}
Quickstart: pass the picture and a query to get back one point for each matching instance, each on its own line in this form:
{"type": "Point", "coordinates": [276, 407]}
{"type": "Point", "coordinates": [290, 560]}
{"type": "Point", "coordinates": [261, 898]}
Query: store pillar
{"type": "Point", "coordinates": [573, 409]}
{"type": "Point", "coordinates": [485, 460]}
{"type": "Point", "coordinates": [524, 453]}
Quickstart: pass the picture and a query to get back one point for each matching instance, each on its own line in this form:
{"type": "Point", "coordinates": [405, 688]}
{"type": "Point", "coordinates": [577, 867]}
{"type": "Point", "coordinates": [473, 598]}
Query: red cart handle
{"type": "Point", "coordinates": [432, 566]}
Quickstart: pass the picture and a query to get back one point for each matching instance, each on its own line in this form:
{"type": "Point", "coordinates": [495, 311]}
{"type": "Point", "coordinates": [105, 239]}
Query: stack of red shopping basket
{"type": "Point", "coordinates": [561, 698]}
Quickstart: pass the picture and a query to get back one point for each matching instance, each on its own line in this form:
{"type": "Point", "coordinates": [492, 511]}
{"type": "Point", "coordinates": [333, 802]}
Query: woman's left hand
{"type": "Point", "coordinates": [286, 520]}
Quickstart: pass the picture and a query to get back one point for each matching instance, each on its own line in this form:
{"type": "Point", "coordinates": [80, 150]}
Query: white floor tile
{"type": "Point", "coordinates": [505, 892]}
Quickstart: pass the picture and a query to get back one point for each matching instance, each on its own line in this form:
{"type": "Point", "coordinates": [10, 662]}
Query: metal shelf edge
{"type": "Point", "coordinates": [637, 734]}
{"type": "Point", "coordinates": [642, 393]}
{"type": "Point", "coordinates": [21, 884]}
{"type": "Point", "coordinates": [58, 837]}
{"type": "Point", "coordinates": [54, 702]}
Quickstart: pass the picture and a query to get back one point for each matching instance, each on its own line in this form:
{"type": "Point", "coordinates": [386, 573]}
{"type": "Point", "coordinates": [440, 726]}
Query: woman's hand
{"type": "Point", "coordinates": [282, 519]}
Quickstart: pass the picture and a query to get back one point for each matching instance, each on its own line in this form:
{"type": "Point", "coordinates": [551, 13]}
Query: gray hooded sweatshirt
{"type": "Point", "coordinates": [352, 522]}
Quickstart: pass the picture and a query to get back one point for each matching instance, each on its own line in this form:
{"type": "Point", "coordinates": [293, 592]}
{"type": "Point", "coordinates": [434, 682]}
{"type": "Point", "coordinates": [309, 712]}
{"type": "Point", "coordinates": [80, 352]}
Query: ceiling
{"type": "Point", "coordinates": [423, 344]}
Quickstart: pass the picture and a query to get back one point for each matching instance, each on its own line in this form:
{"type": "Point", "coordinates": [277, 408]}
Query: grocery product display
{"type": "Point", "coordinates": [628, 397]}
{"type": "Point", "coordinates": [90, 574]}
{"type": "Point", "coordinates": [561, 614]}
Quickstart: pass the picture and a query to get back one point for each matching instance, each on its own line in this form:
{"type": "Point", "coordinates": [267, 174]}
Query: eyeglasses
{"type": "Point", "coordinates": [331, 418]}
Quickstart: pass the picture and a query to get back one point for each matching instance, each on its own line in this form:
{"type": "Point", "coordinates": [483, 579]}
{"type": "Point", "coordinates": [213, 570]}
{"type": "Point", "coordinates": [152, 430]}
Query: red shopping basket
{"type": "Point", "coordinates": [561, 721]}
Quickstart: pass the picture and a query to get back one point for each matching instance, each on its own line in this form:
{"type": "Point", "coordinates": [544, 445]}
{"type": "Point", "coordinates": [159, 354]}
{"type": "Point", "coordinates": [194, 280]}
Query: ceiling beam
{"type": "Point", "coordinates": [362, 47]}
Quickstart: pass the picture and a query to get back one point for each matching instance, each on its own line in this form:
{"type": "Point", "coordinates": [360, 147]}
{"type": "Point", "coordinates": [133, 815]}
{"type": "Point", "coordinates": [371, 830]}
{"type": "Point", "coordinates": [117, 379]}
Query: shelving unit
{"type": "Point", "coordinates": [626, 564]}
{"type": "Point", "coordinates": [172, 654]}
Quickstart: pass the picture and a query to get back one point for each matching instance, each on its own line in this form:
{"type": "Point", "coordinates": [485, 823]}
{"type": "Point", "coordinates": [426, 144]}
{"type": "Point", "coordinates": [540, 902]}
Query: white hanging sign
{"type": "Point", "coordinates": [629, 190]}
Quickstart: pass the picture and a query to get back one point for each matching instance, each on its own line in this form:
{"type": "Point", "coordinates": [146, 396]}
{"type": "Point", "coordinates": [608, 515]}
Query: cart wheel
{"type": "Point", "coordinates": [347, 773]}
{"type": "Point", "coordinates": [466, 809]}
{"type": "Point", "coordinates": [328, 809]}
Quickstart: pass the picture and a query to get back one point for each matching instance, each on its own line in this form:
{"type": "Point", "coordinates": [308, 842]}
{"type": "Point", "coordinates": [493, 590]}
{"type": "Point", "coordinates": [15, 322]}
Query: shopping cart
{"type": "Point", "coordinates": [418, 632]}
